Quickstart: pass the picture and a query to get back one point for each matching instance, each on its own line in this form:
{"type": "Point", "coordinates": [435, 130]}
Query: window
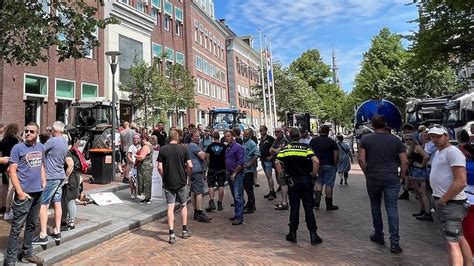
{"type": "Point", "coordinates": [64, 19]}
{"type": "Point", "coordinates": [156, 50]}
{"type": "Point", "coordinates": [218, 91]}
{"type": "Point", "coordinates": [45, 6]}
{"type": "Point", "coordinates": [125, 1]}
{"type": "Point", "coordinates": [178, 28]}
{"type": "Point", "coordinates": [89, 51]}
{"type": "Point", "coordinates": [36, 85]}
{"type": "Point", "coordinates": [213, 90]}
{"type": "Point", "coordinates": [224, 95]}
{"type": "Point", "coordinates": [169, 55]}
{"type": "Point", "coordinates": [178, 14]}
{"type": "Point", "coordinates": [206, 88]}
{"type": "Point", "coordinates": [65, 89]}
{"type": "Point", "coordinates": [131, 50]}
{"type": "Point", "coordinates": [180, 58]}
{"type": "Point", "coordinates": [168, 8]}
{"type": "Point", "coordinates": [198, 63]}
{"type": "Point", "coordinates": [154, 14]}
{"type": "Point", "coordinates": [140, 6]}
{"type": "Point", "coordinates": [156, 4]}
{"type": "Point", "coordinates": [199, 85]}
{"type": "Point", "coordinates": [89, 90]}
{"type": "Point", "coordinates": [167, 22]}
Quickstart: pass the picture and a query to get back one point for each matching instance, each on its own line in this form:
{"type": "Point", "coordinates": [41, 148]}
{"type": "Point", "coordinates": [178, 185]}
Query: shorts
{"type": "Point", "coordinates": [450, 218]}
{"type": "Point", "coordinates": [181, 196]}
{"type": "Point", "coordinates": [281, 179]}
{"type": "Point", "coordinates": [118, 157]}
{"type": "Point", "coordinates": [216, 178]}
{"type": "Point", "coordinates": [123, 156]}
{"type": "Point", "coordinates": [326, 175]}
{"type": "Point", "coordinates": [267, 167]}
{"type": "Point", "coordinates": [418, 174]}
{"type": "Point", "coordinates": [197, 183]}
{"type": "Point", "coordinates": [52, 192]}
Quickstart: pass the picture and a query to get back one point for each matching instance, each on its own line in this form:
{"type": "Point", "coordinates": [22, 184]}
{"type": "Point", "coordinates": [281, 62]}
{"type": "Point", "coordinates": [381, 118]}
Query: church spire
{"type": "Point", "coordinates": [335, 76]}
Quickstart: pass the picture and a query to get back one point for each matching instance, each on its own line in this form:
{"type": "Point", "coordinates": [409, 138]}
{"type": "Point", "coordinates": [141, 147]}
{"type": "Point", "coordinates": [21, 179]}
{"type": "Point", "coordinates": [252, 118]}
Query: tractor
{"type": "Point", "coordinates": [226, 119]}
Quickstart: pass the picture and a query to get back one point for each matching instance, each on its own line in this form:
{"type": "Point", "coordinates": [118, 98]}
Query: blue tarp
{"type": "Point", "coordinates": [369, 108]}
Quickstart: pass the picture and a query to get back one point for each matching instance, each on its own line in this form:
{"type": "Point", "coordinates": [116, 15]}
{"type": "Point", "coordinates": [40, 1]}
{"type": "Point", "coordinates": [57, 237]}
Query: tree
{"type": "Point", "coordinates": [181, 84]}
{"type": "Point", "coordinates": [331, 106]}
{"type": "Point", "coordinates": [311, 68]}
{"type": "Point", "coordinates": [148, 90]}
{"type": "Point", "coordinates": [446, 32]}
{"type": "Point", "coordinates": [29, 28]}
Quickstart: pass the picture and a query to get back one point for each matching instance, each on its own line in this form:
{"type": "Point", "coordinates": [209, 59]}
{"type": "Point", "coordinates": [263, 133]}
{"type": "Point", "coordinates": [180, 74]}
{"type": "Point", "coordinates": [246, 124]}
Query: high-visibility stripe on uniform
{"type": "Point", "coordinates": [295, 152]}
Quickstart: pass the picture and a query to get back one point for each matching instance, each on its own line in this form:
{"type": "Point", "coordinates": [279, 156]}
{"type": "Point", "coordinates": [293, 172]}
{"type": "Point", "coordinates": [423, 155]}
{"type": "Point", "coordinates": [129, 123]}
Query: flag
{"type": "Point", "coordinates": [268, 58]}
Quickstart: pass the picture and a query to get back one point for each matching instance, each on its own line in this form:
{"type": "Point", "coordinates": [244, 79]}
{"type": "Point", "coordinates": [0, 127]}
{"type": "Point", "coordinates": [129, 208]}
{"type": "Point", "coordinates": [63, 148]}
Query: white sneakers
{"type": "Point", "coordinates": [8, 216]}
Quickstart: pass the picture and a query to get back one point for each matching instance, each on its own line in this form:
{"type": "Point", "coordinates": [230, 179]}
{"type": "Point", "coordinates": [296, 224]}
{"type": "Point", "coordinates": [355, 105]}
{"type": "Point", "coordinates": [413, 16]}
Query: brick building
{"type": "Point", "coordinates": [205, 47]}
{"type": "Point", "coordinates": [42, 93]}
{"type": "Point", "coordinates": [243, 63]}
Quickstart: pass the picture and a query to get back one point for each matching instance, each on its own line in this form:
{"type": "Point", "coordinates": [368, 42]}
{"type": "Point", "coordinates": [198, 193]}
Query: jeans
{"type": "Point", "coordinates": [390, 190]}
{"type": "Point", "coordinates": [23, 211]}
{"type": "Point", "coordinates": [68, 211]}
{"type": "Point", "coordinates": [302, 190]}
{"type": "Point", "coordinates": [327, 175]}
{"type": "Point", "coordinates": [236, 187]}
{"type": "Point", "coordinates": [248, 187]}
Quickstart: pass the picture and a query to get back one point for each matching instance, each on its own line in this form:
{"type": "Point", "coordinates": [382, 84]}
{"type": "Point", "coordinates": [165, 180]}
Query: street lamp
{"type": "Point", "coordinates": [112, 58]}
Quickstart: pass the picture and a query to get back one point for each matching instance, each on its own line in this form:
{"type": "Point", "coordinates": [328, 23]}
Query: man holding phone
{"type": "Point", "coordinates": [28, 177]}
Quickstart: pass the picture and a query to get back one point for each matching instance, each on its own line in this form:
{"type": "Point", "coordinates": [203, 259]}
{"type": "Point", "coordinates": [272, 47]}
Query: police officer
{"type": "Point", "coordinates": [301, 165]}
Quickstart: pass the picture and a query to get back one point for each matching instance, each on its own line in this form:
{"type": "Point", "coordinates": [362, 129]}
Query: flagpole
{"type": "Point", "coordinates": [273, 84]}
{"type": "Point", "coordinates": [262, 80]}
{"type": "Point", "coordinates": [268, 85]}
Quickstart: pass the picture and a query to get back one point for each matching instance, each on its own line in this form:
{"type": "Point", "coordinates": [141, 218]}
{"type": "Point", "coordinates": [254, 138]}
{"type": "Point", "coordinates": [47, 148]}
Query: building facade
{"type": "Point", "coordinates": [205, 47]}
{"type": "Point", "coordinates": [43, 93]}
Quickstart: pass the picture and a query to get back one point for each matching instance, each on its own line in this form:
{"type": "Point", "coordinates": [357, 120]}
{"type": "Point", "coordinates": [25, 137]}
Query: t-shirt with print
{"type": "Point", "coordinates": [55, 150]}
{"type": "Point", "coordinates": [29, 159]}
{"type": "Point", "coordinates": [441, 175]}
{"type": "Point", "coordinates": [216, 151]}
{"type": "Point", "coordinates": [193, 154]}
{"type": "Point", "coordinates": [174, 158]}
{"type": "Point", "coordinates": [382, 151]}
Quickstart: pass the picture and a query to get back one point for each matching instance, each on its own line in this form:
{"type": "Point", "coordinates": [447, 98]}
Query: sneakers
{"type": "Point", "coordinates": [404, 195]}
{"type": "Point", "coordinates": [186, 234]}
{"type": "Point", "coordinates": [380, 241]}
{"type": "Point", "coordinates": [315, 238]}
{"type": "Point", "coordinates": [422, 212]}
{"type": "Point", "coordinates": [341, 182]}
{"type": "Point", "coordinates": [37, 240]}
{"type": "Point", "coordinates": [396, 249]}
{"type": "Point", "coordinates": [249, 210]}
{"type": "Point", "coordinates": [8, 216]}
{"type": "Point", "coordinates": [172, 239]}
{"type": "Point", "coordinates": [68, 226]}
{"type": "Point", "coordinates": [425, 217]}
{"type": "Point", "coordinates": [133, 196]}
{"type": "Point", "coordinates": [145, 201]}
{"type": "Point", "coordinates": [33, 259]}
{"type": "Point", "coordinates": [237, 222]}
{"type": "Point", "coordinates": [202, 218]}
{"type": "Point", "coordinates": [281, 207]}
{"type": "Point", "coordinates": [56, 237]}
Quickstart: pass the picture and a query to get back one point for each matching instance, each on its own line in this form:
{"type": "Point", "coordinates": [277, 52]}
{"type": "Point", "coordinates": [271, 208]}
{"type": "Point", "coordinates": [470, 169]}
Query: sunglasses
{"type": "Point", "coordinates": [30, 131]}
{"type": "Point", "coordinates": [408, 139]}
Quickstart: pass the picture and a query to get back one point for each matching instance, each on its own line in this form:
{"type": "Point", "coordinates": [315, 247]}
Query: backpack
{"type": "Point", "coordinates": [83, 161]}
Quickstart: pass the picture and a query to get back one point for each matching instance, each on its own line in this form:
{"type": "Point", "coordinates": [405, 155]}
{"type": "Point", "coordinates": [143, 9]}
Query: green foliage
{"type": "Point", "coordinates": [27, 29]}
{"type": "Point", "coordinates": [181, 84]}
{"type": "Point", "coordinates": [446, 32]}
{"type": "Point", "coordinates": [310, 67]}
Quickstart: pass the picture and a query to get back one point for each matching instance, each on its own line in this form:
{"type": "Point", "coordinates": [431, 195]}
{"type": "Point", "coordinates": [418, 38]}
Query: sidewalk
{"type": "Point", "coordinates": [95, 224]}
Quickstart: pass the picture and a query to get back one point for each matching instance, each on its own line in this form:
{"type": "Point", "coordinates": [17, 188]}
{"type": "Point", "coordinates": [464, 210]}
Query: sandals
{"type": "Point", "coordinates": [280, 206]}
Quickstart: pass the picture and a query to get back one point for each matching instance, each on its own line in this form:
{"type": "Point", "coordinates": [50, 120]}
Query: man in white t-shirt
{"type": "Point", "coordinates": [448, 180]}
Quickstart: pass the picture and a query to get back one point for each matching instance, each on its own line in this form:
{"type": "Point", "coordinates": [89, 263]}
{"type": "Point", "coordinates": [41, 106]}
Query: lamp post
{"type": "Point", "coordinates": [112, 58]}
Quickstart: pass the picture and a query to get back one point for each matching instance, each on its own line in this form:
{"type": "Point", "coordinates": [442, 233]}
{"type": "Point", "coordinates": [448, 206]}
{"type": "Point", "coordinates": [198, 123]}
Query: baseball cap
{"type": "Point", "coordinates": [438, 130]}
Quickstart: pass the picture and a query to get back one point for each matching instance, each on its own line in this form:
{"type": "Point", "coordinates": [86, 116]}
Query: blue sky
{"type": "Point", "coordinates": [294, 26]}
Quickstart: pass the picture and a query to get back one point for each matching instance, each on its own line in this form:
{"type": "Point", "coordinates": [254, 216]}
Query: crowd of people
{"type": "Point", "coordinates": [37, 172]}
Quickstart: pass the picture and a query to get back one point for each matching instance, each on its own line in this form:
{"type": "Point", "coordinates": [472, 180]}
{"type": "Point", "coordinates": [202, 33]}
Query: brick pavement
{"type": "Point", "coordinates": [261, 240]}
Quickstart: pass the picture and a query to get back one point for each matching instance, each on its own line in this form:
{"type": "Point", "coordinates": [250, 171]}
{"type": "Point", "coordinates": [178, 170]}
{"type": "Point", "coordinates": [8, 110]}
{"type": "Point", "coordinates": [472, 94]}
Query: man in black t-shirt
{"type": "Point", "coordinates": [160, 133]}
{"type": "Point", "coordinates": [215, 156]}
{"type": "Point", "coordinates": [327, 152]}
{"type": "Point", "coordinates": [265, 144]}
{"type": "Point", "coordinates": [174, 165]}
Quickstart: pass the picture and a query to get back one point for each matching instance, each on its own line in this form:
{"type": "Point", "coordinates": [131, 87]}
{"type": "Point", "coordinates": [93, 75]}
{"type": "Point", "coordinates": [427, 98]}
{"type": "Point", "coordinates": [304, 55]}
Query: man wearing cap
{"type": "Point", "coordinates": [448, 180]}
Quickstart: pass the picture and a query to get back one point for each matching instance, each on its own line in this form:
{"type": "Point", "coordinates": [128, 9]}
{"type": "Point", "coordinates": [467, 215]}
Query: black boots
{"type": "Point", "coordinates": [211, 207]}
{"type": "Point", "coordinates": [315, 238]}
{"type": "Point", "coordinates": [219, 206]}
{"type": "Point", "coordinates": [404, 195]}
{"type": "Point", "coordinates": [291, 236]}
{"type": "Point", "coordinates": [330, 206]}
{"type": "Point", "coordinates": [317, 199]}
